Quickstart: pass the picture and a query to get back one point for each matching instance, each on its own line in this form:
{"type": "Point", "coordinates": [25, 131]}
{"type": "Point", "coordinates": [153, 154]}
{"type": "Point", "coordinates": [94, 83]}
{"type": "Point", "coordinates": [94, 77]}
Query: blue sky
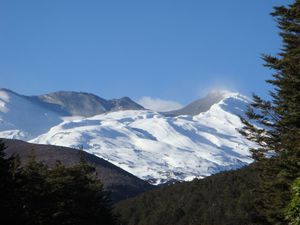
{"type": "Point", "coordinates": [167, 49]}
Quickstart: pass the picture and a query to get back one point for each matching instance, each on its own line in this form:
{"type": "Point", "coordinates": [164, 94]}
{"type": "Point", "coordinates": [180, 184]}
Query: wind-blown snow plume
{"type": "Point", "coordinates": [159, 105]}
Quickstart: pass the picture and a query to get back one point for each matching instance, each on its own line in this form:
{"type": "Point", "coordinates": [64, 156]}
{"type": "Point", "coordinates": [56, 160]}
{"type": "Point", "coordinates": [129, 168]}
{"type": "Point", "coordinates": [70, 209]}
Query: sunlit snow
{"type": "Point", "coordinates": [147, 144]}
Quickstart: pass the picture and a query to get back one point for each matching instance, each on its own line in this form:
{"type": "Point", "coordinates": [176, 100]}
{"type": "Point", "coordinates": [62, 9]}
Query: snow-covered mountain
{"type": "Point", "coordinates": [84, 104]}
{"type": "Point", "coordinates": [148, 144]}
{"type": "Point", "coordinates": [26, 117]}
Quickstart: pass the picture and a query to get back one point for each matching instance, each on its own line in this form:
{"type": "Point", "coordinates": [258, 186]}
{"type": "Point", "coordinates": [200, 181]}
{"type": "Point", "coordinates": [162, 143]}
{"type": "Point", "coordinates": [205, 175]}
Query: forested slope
{"type": "Point", "coordinates": [221, 199]}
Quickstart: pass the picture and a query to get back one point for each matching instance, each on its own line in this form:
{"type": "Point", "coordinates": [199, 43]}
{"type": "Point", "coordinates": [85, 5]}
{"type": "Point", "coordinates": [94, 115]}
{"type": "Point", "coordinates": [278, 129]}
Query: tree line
{"type": "Point", "coordinates": [35, 194]}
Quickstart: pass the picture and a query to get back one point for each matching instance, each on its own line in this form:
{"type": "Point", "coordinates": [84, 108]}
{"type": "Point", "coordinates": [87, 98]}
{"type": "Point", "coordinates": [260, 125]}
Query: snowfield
{"type": "Point", "coordinates": [150, 145]}
{"type": "Point", "coordinates": [22, 119]}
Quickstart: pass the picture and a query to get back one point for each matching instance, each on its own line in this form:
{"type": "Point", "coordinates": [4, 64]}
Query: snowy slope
{"type": "Point", "coordinates": [26, 117]}
{"type": "Point", "coordinates": [159, 148]}
{"type": "Point", "coordinates": [20, 118]}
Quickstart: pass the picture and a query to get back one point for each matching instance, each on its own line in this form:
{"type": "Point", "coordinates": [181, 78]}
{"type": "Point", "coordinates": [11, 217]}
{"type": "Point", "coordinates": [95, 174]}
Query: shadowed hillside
{"type": "Point", "coordinates": [227, 198]}
{"type": "Point", "coordinates": [120, 183]}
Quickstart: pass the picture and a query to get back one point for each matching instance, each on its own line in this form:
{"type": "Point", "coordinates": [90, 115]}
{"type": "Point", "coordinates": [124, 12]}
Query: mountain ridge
{"type": "Point", "coordinates": [20, 113]}
{"type": "Point", "coordinates": [159, 148]}
{"type": "Point", "coordinates": [72, 103]}
{"type": "Point", "coordinates": [200, 105]}
{"type": "Point", "coordinates": [151, 145]}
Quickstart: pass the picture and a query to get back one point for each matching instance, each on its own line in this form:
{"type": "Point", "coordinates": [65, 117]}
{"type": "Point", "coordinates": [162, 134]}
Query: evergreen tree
{"type": "Point", "coordinates": [278, 132]}
{"type": "Point", "coordinates": [5, 183]}
{"type": "Point", "coordinates": [63, 195]}
{"type": "Point", "coordinates": [33, 191]}
{"type": "Point", "coordinates": [9, 203]}
{"type": "Point", "coordinates": [293, 209]}
{"type": "Point", "coordinates": [78, 196]}
{"type": "Point", "coordinates": [35, 194]}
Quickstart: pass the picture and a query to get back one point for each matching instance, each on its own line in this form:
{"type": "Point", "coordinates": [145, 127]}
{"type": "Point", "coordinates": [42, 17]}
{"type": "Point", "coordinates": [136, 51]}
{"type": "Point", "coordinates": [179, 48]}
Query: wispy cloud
{"type": "Point", "coordinates": [159, 105]}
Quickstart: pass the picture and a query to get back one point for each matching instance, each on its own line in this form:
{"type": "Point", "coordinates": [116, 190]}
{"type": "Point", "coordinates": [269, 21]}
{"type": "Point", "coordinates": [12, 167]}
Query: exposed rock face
{"type": "Point", "coordinates": [200, 105]}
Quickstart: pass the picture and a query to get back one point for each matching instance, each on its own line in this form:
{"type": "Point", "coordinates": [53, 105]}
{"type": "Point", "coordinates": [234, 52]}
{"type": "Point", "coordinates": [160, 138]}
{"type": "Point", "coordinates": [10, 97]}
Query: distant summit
{"type": "Point", "coordinates": [124, 103]}
{"type": "Point", "coordinates": [24, 117]}
{"type": "Point", "coordinates": [85, 104]}
{"type": "Point", "coordinates": [200, 105]}
{"type": "Point", "coordinates": [70, 103]}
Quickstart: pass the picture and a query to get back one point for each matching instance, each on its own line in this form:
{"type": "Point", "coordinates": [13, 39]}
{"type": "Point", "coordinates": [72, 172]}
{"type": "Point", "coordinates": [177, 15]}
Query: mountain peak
{"type": "Point", "coordinates": [62, 92]}
{"type": "Point", "coordinates": [124, 103]}
{"type": "Point", "coordinates": [204, 104]}
{"type": "Point", "coordinates": [8, 91]}
{"type": "Point", "coordinates": [73, 103]}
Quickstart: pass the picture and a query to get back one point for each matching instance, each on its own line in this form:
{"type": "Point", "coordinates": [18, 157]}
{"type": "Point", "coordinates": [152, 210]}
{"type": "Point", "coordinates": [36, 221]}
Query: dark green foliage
{"type": "Point", "coordinates": [293, 209]}
{"type": "Point", "coordinates": [9, 203]}
{"type": "Point", "coordinates": [63, 195]}
{"type": "Point", "coordinates": [119, 183]}
{"type": "Point", "coordinates": [38, 195]}
{"type": "Point", "coordinates": [227, 198]}
{"type": "Point", "coordinates": [279, 119]}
